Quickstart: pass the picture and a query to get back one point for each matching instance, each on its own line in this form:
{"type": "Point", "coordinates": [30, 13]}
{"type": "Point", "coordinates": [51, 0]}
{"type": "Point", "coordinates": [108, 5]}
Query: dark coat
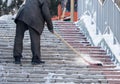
{"type": "Point", "coordinates": [35, 13]}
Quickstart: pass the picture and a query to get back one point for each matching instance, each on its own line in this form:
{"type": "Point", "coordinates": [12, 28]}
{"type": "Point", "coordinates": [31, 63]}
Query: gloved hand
{"type": "Point", "coordinates": [52, 31]}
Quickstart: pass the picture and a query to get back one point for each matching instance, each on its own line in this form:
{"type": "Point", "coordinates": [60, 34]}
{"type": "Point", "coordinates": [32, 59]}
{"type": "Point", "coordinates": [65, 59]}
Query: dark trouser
{"type": "Point", "coordinates": [18, 43]}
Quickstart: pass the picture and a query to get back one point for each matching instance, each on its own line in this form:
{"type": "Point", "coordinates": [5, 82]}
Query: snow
{"type": "Point", "coordinates": [91, 29]}
{"type": "Point", "coordinates": [3, 1]}
{"type": "Point", "coordinates": [9, 2]}
{"type": "Point", "coordinates": [88, 59]}
{"type": "Point", "coordinates": [97, 38]}
{"type": "Point", "coordinates": [7, 17]}
{"type": "Point", "coordinates": [51, 76]}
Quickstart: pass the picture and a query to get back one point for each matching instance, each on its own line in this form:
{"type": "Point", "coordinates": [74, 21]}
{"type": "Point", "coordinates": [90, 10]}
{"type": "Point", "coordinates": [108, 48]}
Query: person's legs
{"type": "Point", "coordinates": [35, 46]}
{"type": "Point", "coordinates": [21, 27]}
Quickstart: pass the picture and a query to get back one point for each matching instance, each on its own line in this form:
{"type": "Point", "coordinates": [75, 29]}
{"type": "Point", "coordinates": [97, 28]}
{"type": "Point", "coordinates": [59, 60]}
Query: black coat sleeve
{"type": "Point", "coordinates": [46, 15]}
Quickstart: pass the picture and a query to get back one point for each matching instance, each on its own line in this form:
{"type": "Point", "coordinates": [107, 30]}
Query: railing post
{"type": "Point", "coordinates": [72, 10]}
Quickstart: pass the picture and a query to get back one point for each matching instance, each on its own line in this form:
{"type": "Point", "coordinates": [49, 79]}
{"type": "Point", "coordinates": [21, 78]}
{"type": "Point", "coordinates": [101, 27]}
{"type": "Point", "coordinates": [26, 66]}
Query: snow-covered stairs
{"type": "Point", "coordinates": [62, 65]}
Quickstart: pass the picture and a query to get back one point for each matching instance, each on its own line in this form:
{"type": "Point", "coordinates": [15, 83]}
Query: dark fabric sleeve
{"type": "Point", "coordinates": [46, 14]}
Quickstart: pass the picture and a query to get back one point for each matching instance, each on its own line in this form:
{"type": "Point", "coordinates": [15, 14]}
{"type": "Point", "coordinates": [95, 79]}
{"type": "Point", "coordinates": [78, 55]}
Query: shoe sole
{"type": "Point", "coordinates": [35, 63]}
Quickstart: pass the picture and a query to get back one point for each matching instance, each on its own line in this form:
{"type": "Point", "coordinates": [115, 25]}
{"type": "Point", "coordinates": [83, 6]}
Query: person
{"type": "Point", "coordinates": [59, 10]}
{"type": "Point", "coordinates": [32, 16]}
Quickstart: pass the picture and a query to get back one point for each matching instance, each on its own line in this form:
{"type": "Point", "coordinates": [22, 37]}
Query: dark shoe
{"type": "Point", "coordinates": [37, 62]}
{"type": "Point", "coordinates": [17, 60]}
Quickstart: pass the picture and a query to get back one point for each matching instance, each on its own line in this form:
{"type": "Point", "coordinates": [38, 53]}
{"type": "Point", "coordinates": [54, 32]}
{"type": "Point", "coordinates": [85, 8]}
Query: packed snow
{"type": "Point", "coordinates": [97, 38]}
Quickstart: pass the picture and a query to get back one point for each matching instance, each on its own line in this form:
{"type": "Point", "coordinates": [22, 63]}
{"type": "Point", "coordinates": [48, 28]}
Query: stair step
{"type": "Point", "coordinates": [62, 65]}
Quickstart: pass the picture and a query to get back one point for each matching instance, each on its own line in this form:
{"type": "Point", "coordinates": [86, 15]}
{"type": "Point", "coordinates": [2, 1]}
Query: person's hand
{"type": "Point", "coordinates": [52, 31]}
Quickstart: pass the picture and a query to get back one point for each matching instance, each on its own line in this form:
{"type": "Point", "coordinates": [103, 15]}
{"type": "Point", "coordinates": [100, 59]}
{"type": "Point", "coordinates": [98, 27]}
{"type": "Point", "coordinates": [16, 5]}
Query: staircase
{"type": "Point", "coordinates": [62, 65]}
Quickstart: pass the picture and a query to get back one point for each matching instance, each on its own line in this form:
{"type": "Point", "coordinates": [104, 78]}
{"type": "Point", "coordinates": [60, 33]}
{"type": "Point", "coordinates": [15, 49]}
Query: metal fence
{"type": "Point", "coordinates": [107, 14]}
